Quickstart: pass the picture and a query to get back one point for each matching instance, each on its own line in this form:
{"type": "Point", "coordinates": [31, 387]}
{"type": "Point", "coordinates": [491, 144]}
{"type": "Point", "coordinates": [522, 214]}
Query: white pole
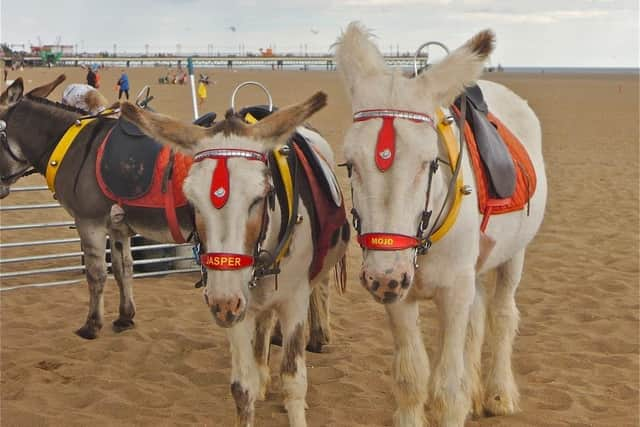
{"type": "Point", "coordinates": [193, 88]}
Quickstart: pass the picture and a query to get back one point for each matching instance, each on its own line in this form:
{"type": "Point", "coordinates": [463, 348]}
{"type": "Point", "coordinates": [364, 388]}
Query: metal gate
{"type": "Point", "coordinates": [57, 255]}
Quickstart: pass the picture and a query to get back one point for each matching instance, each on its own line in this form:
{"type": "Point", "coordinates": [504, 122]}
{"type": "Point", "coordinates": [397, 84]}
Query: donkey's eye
{"type": "Point", "coordinates": [349, 167]}
{"type": "Point", "coordinates": [255, 203]}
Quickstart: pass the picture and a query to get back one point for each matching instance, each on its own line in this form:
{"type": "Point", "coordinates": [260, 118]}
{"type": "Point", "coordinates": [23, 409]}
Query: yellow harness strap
{"type": "Point", "coordinates": [61, 150]}
{"type": "Point", "coordinates": [285, 173]}
{"type": "Point", "coordinates": [450, 143]}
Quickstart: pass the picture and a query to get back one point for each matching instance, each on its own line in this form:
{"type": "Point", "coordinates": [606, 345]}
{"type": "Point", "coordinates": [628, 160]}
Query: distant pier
{"type": "Point", "coordinates": [276, 62]}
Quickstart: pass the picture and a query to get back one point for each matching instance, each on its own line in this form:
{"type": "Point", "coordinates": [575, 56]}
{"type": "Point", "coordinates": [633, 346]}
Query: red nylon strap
{"type": "Point", "coordinates": [386, 146]}
{"type": "Point", "coordinates": [387, 241]}
{"type": "Point", "coordinates": [171, 215]}
{"type": "Point", "coordinates": [225, 261]}
{"type": "Point", "coordinates": [219, 191]}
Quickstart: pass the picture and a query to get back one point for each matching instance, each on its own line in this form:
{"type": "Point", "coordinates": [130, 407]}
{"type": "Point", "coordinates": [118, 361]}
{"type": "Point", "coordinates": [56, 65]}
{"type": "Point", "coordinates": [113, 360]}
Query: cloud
{"type": "Point", "coordinates": [379, 3]}
{"type": "Point", "coordinates": [548, 17]}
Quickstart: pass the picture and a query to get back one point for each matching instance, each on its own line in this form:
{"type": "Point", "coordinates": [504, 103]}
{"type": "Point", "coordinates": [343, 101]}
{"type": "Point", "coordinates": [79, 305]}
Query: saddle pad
{"type": "Point", "coordinates": [495, 156]}
{"type": "Point", "coordinates": [525, 173]}
{"type": "Point", "coordinates": [131, 168]}
{"type": "Point", "coordinates": [321, 169]}
{"type": "Point", "coordinates": [330, 216]}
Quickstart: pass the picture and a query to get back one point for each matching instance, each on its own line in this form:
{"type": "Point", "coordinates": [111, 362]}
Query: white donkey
{"type": "Point", "coordinates": [231, 185]}
{"type": "Point", "coordinates": [396, 187]}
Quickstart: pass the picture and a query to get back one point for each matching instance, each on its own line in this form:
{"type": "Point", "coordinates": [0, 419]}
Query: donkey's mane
{"type": "Point", "coordinates": [45, 101]}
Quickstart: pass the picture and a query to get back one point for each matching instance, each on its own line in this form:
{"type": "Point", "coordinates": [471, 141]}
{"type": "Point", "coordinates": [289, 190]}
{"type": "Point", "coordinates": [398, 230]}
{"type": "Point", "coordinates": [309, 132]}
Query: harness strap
{"type": "Point", "coordinates": [453, 151]}
{"type": "Point", "coordinates": [61, 149]}
{"type": "Point", "coordinates": [170, 202]}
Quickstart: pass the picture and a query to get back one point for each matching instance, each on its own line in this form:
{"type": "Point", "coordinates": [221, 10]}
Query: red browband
{"type": "Point", "coordinates": [219, 191]}
{"type": "Point", "coordinates": [387, 241]}
{"type": "Point", "coordinates": [225, 261]}
{"type": "Point", "coordinates": [386, 145]}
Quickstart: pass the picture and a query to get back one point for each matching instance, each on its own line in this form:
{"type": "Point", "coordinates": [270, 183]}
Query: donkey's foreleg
{"type": "Point", "coordinates": [261, 349]}
{"type": "Point", "coordinates": [501, 395]}
{"type": "Point", "coordinates": [410, 368]}
{"type": "Point", "coordinates": [122, 266]}
{"type": "Point", "coordinates": [473, 350]}
{"type": "Point", "coordinates": [319, 327]}
{"type": "Point", "coordinates": [93, 239]}
{"type": "Point", "coordinates": [293, 371]}
{"type": "Point", "coordinates": [450, 399]}
{"type": "Point", "coordinates": [245, 381]}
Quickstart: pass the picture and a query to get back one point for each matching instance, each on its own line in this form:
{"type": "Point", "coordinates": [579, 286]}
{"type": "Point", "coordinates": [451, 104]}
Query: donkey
{"type": "Point", "coordinates": [396, 186]}
{"type": "Point", "coordinates": [232, 185]}
{"type": "Point", "coordinates": [32, 128]}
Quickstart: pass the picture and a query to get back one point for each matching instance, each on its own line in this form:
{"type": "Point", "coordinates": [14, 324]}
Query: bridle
{"type": "Point", "coordinates": [384, 156]}
{"type": "Point", "coordinates": [262, 262]}
{"type": "Point", "coordinates": [4, 144]}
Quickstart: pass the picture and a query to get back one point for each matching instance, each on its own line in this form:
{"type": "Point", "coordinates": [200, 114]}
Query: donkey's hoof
{"type": "Point", "coordinates": [120, 325]}
{"type": "Point", "coordinates": [314, 347]}
{"type": "Point", "coordinates": [497, 404]}
{"type": "Point", "coordinates": [87, 332]}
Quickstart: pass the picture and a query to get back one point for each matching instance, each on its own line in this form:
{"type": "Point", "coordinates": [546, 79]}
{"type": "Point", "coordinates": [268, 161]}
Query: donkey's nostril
{"type": "Point", "coordinates": [405, 281]}
{"type": "Point", "coordinates": [375, 285]}
{"type": "Point", "coordinates": [230, 316]}
{"type": "Point", "coordinates": [392, 284]}
{"type": "Point", "coordinates": [239, 303]}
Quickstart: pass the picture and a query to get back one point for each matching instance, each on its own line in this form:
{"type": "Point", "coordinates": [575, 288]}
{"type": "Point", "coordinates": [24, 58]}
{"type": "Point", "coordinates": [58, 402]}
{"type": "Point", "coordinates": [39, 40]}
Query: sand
{"type": "Point", "coordinates": [575, 359]}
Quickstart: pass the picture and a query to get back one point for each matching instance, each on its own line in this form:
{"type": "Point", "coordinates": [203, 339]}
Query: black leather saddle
{"type": "Point", "coordinates": [493, 151]}
{"type": "Point", "coordinates": [128, 160]}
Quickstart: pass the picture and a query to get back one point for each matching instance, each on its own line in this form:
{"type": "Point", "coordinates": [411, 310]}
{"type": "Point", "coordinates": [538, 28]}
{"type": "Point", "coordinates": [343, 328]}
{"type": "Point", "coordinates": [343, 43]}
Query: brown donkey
{"type": "Point", "coordinates": [30, 130]}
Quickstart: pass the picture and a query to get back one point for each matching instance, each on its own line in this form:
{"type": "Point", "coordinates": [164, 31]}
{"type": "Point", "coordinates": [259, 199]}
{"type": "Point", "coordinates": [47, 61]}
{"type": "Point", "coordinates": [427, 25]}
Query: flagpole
{"type": "Point", "coordinates": [193, 88]}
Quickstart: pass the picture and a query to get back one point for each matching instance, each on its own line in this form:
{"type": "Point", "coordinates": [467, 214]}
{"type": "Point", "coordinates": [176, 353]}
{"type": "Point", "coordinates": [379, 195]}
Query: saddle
{"type": "Point", "coordinates": [317, 186]}
{"type": "Point", "coordinates": [134, 169]}
{"type": "Point", "coordinates": [505, 176]}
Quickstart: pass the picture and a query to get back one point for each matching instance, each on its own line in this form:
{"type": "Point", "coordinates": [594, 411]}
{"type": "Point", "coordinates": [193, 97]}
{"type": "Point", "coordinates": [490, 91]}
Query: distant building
{"type": "Point", "coordinates": [64, 49]}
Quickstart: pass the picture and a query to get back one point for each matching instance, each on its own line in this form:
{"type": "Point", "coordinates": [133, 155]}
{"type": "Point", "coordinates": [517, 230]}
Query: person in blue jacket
{"type": "Point", "coordinates": [123, 85]}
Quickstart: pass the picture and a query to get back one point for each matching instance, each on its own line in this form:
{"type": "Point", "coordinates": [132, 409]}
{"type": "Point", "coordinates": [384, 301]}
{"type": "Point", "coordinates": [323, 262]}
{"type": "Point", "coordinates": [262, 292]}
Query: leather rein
{"type": "Point", "coordinates": [384, 156]}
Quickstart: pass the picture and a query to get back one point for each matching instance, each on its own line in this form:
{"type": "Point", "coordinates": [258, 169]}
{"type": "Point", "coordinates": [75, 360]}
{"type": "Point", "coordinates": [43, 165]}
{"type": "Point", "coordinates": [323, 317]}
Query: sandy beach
{"type": "Point", "coordinates": [576, 358]}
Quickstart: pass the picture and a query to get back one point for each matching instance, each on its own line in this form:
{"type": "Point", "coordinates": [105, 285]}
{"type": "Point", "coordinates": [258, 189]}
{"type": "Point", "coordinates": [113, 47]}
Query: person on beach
{"type": "Point", "coordinates": [123, 85]}
{"type": "Point", "coordinates": [202, 88]}
{"type": "Point", "coordinates": [92, 79]}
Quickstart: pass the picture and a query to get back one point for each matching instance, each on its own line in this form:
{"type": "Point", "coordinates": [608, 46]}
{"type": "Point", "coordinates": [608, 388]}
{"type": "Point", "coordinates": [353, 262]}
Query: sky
{"type": "Point", "coordinates": [539, 33]}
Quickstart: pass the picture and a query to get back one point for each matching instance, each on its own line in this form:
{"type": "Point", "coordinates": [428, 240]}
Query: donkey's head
{"type": "Point", "coordinates": [390, 148]}
{"type": "Point", "coordinates": [13, 163]}
{"type": "Point", "coordinates": [229, 184]}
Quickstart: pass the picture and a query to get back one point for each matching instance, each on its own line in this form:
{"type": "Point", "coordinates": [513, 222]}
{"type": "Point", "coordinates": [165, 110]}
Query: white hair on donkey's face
{"type": "Point", "coordinates": [393, 201]}
{"type": "Point", "coordinates": [234, 228]}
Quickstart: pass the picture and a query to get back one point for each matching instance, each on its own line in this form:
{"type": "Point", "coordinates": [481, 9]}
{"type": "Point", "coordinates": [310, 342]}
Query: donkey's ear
{"type": "Point", "coordinates": [357, 57]}
{"type": "Point", "coordinates": [45, 90]}
{"type": "Point", "coordinates": [13, 93]}
{"type": "Point", "coordinates": [183, 136]}
{"type": "Point", "coordinates": [276, 127]}
{"type": "Point", "coordinates": [447, 79]}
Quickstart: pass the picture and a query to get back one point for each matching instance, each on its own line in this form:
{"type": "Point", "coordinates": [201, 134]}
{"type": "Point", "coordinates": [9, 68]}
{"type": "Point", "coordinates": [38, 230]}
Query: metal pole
{"type": "Point", "coordinates": [193, 88]}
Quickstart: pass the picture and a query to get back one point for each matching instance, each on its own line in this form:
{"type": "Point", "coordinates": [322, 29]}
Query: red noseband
{"type": "Point", "coordinates": [387, 241]}
{"type": "Point", "coordinates": [225, 261]}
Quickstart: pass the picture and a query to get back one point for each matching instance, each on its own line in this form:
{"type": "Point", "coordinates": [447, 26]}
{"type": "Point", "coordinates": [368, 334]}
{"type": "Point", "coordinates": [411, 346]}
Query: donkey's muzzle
{"type": "Point", "coordinates": [386, 288]}
{"type": "Point", "coordinates": [227, 312]}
